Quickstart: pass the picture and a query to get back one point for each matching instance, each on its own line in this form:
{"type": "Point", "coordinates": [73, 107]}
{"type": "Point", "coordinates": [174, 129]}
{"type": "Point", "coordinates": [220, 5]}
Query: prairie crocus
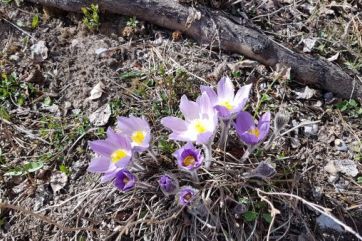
{"type": "Point", "coordinates": [199, 124]}
{"type": "Point", "coordinates": [248, 132]}
{"type": "Point", "coordinates": [168, 184]}
{"type": "Point", "coordinates": [124, 180]}
{"type": "Point", "coordinates": [187, 195]}
{"type": "Point", "coordinates": [137, 129]}
{"type": "Point", "coordinates": [113, 154]}
{"type": "Point", "coordinates": [225, 101]}
{"type": "Point", "coordinates": [188, 157]}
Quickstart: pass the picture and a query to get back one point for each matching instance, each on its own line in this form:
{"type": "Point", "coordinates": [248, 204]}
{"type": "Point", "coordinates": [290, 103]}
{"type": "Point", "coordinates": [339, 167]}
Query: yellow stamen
{"type": "Point", "coordinates": [118, 155]}
{"type": "Point", "coordinates": [227, 104]}
{"type": "Point", "coordinates": [188, 161]}
{"type": "Point", "coordinates": [138, 137]}
{"type": "Point", "coordinates": [254, 131]}
{"type": "Point", "coordinates": [199, 127]}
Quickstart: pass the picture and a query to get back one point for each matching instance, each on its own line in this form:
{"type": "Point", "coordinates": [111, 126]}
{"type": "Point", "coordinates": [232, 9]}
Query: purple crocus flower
{"type": "Point", "coordinates": [113, 154]}
{"type": "Point", "coordinates": [199, 124]}
{"type": "Point", "coordinates": [188, 157]}
{"type": "Point", "coordinates": [187, 195]}
{"type": "Point", "coordinates": [124, 180]}
{"type": "Point", "coordinates": [137, 129]}
{"type": "Point", "coordinates": [225, 101]}
{"type": "Point", "coordinates": [168, 184]}
{"type": "Point", "coordinates": [246, 129]}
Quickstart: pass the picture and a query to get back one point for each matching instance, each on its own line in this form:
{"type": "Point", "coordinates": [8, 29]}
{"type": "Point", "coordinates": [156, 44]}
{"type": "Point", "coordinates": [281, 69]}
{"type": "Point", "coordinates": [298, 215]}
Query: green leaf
{"type": "Point", "coordinates": [267, 217]}
{"type": "Point", "coordinates": [64, 169]}
{"type": "Point", "coordinates": [250, 216]}
{"type": "Point", "coordinates": [47, 101]}
{"type": "Point", "coordinates": [4, 113]}
{"type": "Point", "coordinates": [35, 22]}
{"type": "Point", "coordinates": [131, 75]}
{"type": "Point", "coordinates": [359, 180]}
{"type": "Point", "coordinates": [33, 166]}
{"type": "Point", "coordinates": [17, 171]}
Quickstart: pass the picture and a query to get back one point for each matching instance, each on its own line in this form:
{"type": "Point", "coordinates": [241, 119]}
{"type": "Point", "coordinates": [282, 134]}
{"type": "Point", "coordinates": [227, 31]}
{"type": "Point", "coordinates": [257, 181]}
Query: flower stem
{"type": "Point", "coordinates": [208, 154]}
{"type": "Point", "coordinates": [249, 150]}
{"type": "Point", "coordinates": [194, 176]}
{"type": "Point", "coordinates": [152, 154]}
{"type": "Point", "coordinates": [224, 134]}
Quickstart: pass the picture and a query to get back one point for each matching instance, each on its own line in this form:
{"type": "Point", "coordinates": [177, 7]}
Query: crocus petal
{"type": "Point", "coordinates": [174, 123]}
{"type": "Point", "coordinates": [109, 176]}
{"type": "Point", "coordinates": [101, 147]}
{"type": "Point", "coordinates": [244, 122]}
{"type": "Point", "coordinates": [205, 105]}
{"type": "Point", "coordinates": [242, 96]}
{"type": "Point", "coordinates": [264, 125]}
{"type": "Point", "coordinates": [223, 112]}
{"type": "Point", "coordinates": [204, 138]}
{"type": "Point", "coordinates": [99, 165]}
{"type": "Point", "coordinates": [249, 139]}
{"type": "Point", "coordinates": [126, 125]}
{"type": "Point", "coordinates": [225, 88]}
{"type": "Point", "coordinates": [210, 92]}
{"type": "Point", "coordinates": [189, 109]}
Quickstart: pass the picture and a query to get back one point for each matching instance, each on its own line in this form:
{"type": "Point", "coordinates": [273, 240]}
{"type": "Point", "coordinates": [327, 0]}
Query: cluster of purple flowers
{"type": "Point", "coordinates": [199, 126]}
{"type": "Point", "coordinates": [114, 154]}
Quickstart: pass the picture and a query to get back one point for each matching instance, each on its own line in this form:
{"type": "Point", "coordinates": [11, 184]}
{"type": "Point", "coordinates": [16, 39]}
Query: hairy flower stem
{"type": "Point", "coordinates": [225, 126]}
{"type": "Point", "coordinates": [194, 176]}
{"type": "Point", "coordinates": [152, 154]}
{"type": "Point", "coordinates": [249, 150]}
{"type": "Point", "coordinates": [208, 154]}
{"type": "Point", "coordinates": [271, 139]}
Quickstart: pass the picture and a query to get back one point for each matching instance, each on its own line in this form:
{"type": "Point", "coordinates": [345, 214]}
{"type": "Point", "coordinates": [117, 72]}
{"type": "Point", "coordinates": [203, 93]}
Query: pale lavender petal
{"type": "Point", "coordinates": [174, 123]}
{"type": "Point", "coordinates": [101, 147]}
{"type": "Point", "coordinates": [204, 138]}
{"type": "Point", "coordinates": [225, 88]}
{"type": "Point", "coordinates": [242, 97]}
{"type": "Point", "coordinates": [177, 136]}
{"type": "Point", "coordinates": [211, 93]}
{"type": "Point", "coordinates": [109, 176]}
{"type": "Point", "coordinates": [205, 105]}
{"type": "Point", "coordinates": [189, 109]}
{"type": "Point", "coordinates": [223, 112]}
{"type": "Point", "coordinates": [244, 122]}
{"type": "Point", "coordinates": [123, 162]}
{"type": "Point", "coordinates": [126, 125]}
{"type": "Point", "coordinates": [264, 125]}
{"type": "Point", "coordinates": [99, 165]}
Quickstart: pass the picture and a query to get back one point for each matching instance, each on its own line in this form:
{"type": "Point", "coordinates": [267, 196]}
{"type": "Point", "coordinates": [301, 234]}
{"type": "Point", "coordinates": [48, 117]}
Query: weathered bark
{"type": "Point", "coordinates": [240, 36]}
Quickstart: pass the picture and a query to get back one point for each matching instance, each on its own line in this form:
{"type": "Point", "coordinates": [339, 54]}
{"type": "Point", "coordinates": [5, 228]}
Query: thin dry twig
{"type": "Point", "coordinates": [316, 207]}
{"type": "Point", "coordinates": [48, 220]}
{"type": "Point", "coordinates": [24, 131]}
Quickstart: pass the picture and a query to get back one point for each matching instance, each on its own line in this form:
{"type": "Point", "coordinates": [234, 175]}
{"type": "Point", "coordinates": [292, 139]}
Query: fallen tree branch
{"type": "Point", "coordinates": [240, 36]}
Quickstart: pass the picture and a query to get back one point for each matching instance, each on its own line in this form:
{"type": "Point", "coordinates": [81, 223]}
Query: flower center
{"type": "Point", "coordinates": [125, 180]}
{"type": "Point", "coordinates": [188, 196]}
{"type": "Point", "coordinates": [118, 155]}
{"type": "Point", "coordinates": [138, 137]}
{"type": "Point", "coordinates": [254, 131]}
{"type": "Point", "coordinates": [188, 161]}
{"type": "Point", "coordinates": [226, 104]}
{"type": "Point", "coordinates": [199, 127]}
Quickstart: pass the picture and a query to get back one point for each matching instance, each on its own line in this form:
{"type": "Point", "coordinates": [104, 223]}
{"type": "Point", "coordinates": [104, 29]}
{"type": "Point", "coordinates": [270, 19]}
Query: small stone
{"type": "Point", "coordinates": [311, 130]}
{"type": "Point", "coordinates": [340, 145]}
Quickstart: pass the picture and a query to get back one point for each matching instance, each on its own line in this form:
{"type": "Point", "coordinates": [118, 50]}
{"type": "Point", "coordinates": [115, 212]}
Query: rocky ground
{"type": "Point", "coordinates": [63, 84]}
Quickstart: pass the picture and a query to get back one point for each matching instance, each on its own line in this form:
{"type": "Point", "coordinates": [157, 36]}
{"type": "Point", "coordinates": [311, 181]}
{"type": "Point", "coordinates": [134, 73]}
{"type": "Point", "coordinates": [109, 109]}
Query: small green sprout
{"type": "Point", "coordinates": [132, 22]}
{"type": "Point", "coordinates": [35, 22]}
{"type": "Point", "coordinates": [91, 17]}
